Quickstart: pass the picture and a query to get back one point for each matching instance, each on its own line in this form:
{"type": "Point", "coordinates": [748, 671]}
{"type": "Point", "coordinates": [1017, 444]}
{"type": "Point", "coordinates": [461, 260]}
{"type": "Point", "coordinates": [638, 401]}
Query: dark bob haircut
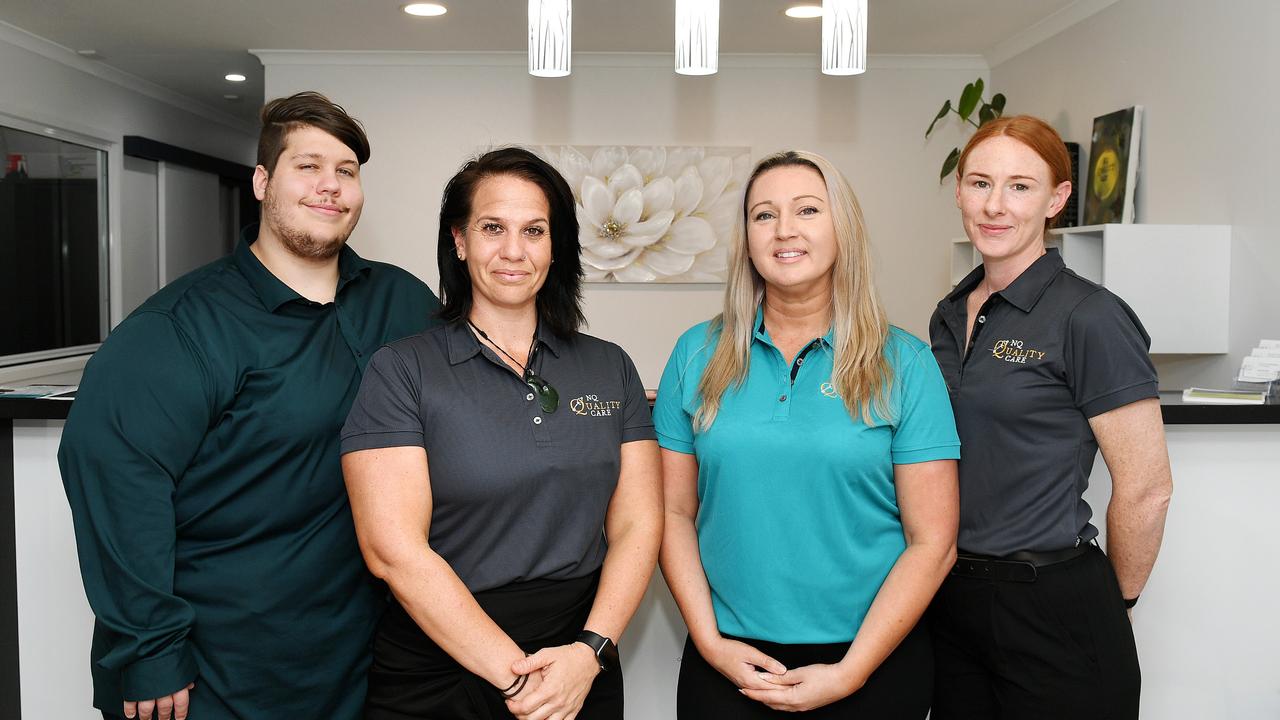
{"type": "Point", "coordinates": [307, 109]}
{"type": "Point", "coordinates": [560, 299]}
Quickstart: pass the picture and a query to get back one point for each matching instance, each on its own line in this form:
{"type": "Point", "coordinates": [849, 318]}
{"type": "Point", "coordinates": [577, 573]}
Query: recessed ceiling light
{"type": "Point", "coordinates": [425, 9]}
{"type": "Point", "coordinates": [230, 96]}
{"type": "Point", "coordinates": [804, 12]}
{"type": "Point", "coordinates": [234, 77]}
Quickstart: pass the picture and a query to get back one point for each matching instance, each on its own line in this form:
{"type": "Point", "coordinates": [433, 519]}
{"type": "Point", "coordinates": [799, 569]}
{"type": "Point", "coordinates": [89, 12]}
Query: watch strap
{"type": "Point", "coordinates": [605, 651]}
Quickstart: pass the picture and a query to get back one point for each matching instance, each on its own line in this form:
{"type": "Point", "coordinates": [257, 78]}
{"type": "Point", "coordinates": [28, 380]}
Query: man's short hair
{"type": "Point", "coordinates": [307, 109]}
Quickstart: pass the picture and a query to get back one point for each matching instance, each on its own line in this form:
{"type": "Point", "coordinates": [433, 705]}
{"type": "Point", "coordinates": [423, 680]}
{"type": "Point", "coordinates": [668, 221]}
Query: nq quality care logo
{"type": "Point", "coordinates": [1015, 351]}
{"type": "Point", "coordinates": [593, 406]}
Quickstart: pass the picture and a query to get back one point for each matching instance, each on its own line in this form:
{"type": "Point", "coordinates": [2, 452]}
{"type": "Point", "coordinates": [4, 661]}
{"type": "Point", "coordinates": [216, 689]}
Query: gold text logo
{"type": "Point", "coordinates": [593, 406]}
{"type": "Point", "coordinates": [1014, 351]}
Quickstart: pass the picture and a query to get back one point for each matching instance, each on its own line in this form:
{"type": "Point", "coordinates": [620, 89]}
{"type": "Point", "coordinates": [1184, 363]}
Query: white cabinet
{"type": "Point", "coordinates": [1177, 278]}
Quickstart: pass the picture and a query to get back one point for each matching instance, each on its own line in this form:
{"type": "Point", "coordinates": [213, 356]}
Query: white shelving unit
{"type": "Point", "coordinates": [1177, 278]}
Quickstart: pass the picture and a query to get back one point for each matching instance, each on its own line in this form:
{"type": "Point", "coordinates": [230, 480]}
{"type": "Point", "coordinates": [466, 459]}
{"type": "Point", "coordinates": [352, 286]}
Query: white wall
{"type": "Point", "coordinates": [139, 232]}
{"type": "Point", "coordinates": [46, 84]}
{"type": "Point", "coordinates": [1206, 76]}
{"type": "Point", "coordinates": [426, 113]}
{"type": "Point", "coordinates": [192, 230]}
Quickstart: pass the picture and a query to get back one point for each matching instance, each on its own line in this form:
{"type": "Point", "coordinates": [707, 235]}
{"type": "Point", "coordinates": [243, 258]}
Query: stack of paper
{"type": "Point", "coordinates": [1263, 363]}
{"type": "Point", "coordinates": [1223, 397]}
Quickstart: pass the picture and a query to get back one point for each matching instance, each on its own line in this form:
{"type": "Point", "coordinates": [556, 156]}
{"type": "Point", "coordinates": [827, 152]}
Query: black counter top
{"type": "Point", "coordinates": [1175, 411]}
{"type": "Point", "coordinates": [33, 409]}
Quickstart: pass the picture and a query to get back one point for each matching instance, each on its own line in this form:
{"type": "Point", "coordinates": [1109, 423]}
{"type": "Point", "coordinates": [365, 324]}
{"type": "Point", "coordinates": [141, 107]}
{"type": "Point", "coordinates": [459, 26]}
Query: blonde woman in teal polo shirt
{"type": "Point", "coordinates": [809, 452]}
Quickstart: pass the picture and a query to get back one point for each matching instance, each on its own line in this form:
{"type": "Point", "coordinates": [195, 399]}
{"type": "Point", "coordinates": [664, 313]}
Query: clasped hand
{"type": "Point", "coordinates": [170, 706]}
{"type": "Point", "coordinates": [802, 688]}
{"type": "Point", "coordinates": [559, 679]}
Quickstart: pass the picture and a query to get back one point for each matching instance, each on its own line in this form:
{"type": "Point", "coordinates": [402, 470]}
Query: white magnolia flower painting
{"type": "Point", "coordinates": [654, 214]}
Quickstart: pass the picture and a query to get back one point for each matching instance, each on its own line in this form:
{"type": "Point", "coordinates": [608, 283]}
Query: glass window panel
{"type": "Point", "coordinates": [52, 246]}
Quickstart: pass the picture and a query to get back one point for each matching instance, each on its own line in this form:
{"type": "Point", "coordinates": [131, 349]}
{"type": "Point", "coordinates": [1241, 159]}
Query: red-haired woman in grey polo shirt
{"type": "Point", "coordinates": [1044, 367]}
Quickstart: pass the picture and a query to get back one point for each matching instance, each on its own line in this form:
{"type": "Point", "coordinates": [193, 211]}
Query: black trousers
{"type": "Point", "coordinates": [898, 690]}
{"type": "Point", "coordinates": [1059, 647]}
{"type": "Point", "coordinates": [412, 678]}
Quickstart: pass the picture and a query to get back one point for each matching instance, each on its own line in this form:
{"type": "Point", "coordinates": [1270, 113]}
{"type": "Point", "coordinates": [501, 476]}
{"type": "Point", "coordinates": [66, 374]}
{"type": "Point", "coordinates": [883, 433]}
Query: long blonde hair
{"type": "Point", "coordinates": [860, 373]}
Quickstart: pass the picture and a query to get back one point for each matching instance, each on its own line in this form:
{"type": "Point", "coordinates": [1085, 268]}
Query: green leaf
{"type": "Point", "coordinates": [997, 104]}
{"type": "Point", "coordinates": [946, 108]}
{"type": "Point", "coordinates": [969, 99]}
{"type": "Point", "coordinates": [949, 165]}
{"type": "Point", "coordinates": [986, 114]}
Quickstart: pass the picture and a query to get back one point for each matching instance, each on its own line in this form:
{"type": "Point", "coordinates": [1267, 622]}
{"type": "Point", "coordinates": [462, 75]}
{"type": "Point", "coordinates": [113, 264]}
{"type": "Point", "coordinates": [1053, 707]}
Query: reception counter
{"type": "Point", "coordinates": [1205, 624]}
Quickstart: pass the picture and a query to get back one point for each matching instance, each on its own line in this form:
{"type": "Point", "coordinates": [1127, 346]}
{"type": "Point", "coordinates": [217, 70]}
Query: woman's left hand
{"type": "Point", "coordinates": [806, 688]}
{"type": "Point", "coordinates": [566, 673]}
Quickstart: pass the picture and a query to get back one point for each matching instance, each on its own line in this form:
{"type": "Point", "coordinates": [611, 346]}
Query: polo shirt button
{"type": "Point", "coordinates": [782, 398]}
{"type": "Point", "coordinates": [537, 421]}
{"type": "Point", "coordinates": [529, 396]}
{"type": "Point", "coordinates": [982, 318]}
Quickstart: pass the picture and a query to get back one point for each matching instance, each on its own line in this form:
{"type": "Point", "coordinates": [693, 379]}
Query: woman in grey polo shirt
{"type": "Point", "coordinates": [1044, 367]}
{"type": "Point", "coordinates": [503, 472]}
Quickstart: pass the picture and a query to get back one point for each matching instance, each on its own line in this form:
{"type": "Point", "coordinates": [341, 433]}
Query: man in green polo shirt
{"type": "Point", "coordinates": [201, 455]}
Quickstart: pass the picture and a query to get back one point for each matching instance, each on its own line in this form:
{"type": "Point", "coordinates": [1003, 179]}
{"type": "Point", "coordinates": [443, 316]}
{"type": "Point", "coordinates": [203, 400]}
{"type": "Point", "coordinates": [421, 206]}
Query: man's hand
{"type": "Point", "coordinates": [169, 707]}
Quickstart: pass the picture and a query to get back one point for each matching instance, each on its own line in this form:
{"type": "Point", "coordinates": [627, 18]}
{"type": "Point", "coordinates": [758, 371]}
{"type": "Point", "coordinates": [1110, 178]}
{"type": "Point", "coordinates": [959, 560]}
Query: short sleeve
{"type": "Point", "coordinates": [637, 423]}
{"type": "Point", "coordinates": [671, 420]}
{"type": "Point", "coordinates": [1106, 355]}
{"type": "Point", "coordinates": [924, 427]}
{"type": "Point", "coordinates": [387, 409]}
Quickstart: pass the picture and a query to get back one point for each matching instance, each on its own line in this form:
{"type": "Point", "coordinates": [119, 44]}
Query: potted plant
{"type": "Point", "coordinates": [970, 100]}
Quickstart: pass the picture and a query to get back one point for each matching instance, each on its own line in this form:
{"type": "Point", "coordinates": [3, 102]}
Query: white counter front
{"type": "Point", "coordinates": [1206, 624]}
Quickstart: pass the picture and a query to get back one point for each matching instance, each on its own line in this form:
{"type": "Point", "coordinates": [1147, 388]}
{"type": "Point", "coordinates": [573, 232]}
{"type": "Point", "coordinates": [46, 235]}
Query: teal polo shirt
{"type": "Point", "coordinates": [798, 520]}
{"type": "Point", "coordinates": [200, 459]}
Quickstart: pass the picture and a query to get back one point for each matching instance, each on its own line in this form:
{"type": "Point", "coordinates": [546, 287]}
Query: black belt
{"type": "Point", "coordinates": [1021, 566]}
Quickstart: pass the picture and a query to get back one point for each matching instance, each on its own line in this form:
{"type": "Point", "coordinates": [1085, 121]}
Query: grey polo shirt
{"type": "Point", "coordinates": [1047, 353]}
{"type": "Point", "coordinates": [517, 493]}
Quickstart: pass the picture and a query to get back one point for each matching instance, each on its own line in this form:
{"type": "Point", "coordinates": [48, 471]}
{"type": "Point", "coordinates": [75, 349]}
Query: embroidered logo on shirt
{"type": "Point", "coordinates": [1014, 351]}
{"type": "Point", "coordinates": [593, 406]}
{"type": "Point", "coordinates": [829, 390]}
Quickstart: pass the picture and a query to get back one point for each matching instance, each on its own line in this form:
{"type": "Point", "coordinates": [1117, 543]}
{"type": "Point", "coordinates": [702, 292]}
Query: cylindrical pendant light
{"type": "Point", "coordinates": [550, 37]}
{"type": "Point", "coordinates": [844, 37]}
{"type": "Point", "coordinates": [697, 37]}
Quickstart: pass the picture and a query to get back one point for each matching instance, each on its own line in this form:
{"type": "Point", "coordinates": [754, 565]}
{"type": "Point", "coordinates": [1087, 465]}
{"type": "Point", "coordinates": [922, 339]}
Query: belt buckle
{"type": "Point", "coordinates": [1020, 571]}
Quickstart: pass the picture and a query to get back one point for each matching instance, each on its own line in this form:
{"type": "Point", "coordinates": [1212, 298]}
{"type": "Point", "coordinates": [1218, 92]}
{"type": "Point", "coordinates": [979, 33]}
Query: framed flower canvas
{"type": "Point", "coordinates": [652, 214]}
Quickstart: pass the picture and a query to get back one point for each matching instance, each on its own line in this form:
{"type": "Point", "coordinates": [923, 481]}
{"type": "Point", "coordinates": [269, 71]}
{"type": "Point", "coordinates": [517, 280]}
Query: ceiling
{"type": "Point", "coordinates": [187, 46]}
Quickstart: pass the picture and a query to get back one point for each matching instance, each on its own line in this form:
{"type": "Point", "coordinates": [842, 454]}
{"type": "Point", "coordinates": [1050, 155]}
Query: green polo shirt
{"type": "Point", "coordinates": [798, 519]}
{"type": "Point", "coordinates": [201, 462]}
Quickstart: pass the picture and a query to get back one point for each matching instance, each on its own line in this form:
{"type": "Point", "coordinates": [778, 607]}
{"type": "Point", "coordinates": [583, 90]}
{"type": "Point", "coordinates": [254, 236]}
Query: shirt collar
{"type": "Point", "coordinates": [270, 289]}
{"type": "Point", "coordinates": [1023, 293]}
{"type": "Point", "coordinates": [762, 334]}
{"type": "Point", "coordinates": [464, 345]}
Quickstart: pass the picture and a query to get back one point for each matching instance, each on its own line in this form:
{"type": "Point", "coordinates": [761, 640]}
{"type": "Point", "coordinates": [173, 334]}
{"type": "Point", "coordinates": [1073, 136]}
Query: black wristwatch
{"type": "Point", "coordinates": [606, 652]}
